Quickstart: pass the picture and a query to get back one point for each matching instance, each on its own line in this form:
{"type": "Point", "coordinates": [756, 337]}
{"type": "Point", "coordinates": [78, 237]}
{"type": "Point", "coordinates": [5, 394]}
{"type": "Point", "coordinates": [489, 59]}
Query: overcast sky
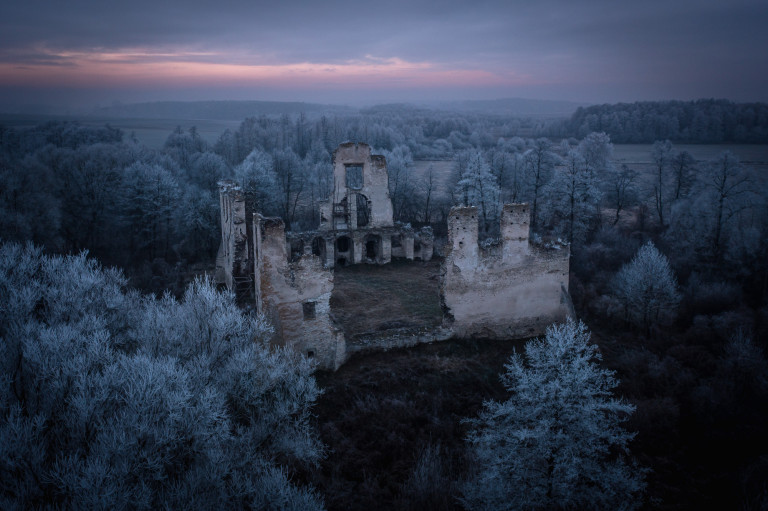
{"type": "Point", "coordinates": [88, 51]}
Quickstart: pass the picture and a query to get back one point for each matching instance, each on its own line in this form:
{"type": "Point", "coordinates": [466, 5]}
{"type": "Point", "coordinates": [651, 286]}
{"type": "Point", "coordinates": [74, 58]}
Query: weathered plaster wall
{"type": "Point", "coordinates": [295, 296]}
{"type": "Point", "coordinates": [510, 291]}
{"type": "Point", "coordinates": [375, 188]}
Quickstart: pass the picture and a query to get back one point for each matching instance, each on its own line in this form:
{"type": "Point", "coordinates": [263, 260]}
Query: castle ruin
{"type": "Point", "coordinates": [511, 289]}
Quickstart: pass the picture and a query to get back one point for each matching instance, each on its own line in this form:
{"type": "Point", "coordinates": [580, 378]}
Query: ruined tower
{"type": "Point", "coordinates": [360, 196]}
{"type": "Point", "coordinates": [357, 218]}
{"type": "Point", "coordinates": [509, 290]}
{"type": "Point", "coordinates": [234, 261]}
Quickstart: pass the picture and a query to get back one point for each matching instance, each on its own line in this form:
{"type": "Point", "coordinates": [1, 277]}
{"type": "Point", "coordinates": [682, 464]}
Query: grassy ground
{"type": "Point", "coordinates": [383, 414]}
{"type": "Point", "coordinates": [370, 298]}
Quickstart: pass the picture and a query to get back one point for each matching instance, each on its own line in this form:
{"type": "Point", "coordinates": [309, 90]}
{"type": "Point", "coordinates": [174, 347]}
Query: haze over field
{"type": "Point", "coordinates": [90, 52]}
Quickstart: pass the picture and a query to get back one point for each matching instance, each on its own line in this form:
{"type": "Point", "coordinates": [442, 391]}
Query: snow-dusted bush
{"type": "Point", "coordinates": [647, 288]}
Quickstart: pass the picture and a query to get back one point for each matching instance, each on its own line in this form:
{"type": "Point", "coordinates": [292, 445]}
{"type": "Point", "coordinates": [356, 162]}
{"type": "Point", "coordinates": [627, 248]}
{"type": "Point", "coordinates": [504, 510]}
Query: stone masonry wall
{"type": "Point", "coordinates": [295, 296]}
{"type": "Point", "coordinates": [375, 188]}
{"type": "Point", "coordinates": [501, 294]}
{"type": "Point", "coordinates": [233, 264]}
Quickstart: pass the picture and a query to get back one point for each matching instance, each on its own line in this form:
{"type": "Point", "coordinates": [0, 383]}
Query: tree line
{"type": "Point", "coordinates": [704, 121]}
{"type": "Point", "coordinates": [70, 187]}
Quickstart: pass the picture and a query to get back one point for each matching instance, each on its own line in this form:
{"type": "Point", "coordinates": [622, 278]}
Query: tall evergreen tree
{"type": "Point", "coordinates": [557, 442]}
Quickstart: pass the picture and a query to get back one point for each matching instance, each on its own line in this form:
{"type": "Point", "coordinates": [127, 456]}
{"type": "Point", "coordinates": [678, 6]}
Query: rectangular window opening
{"type": "Point", "coordinates": [354, 176]}
{"type": "Point", "coordinates": [309, 310]}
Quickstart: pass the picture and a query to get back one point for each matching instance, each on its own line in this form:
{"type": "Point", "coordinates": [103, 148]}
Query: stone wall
{"type": "Point", "coordinates": [400, 241]}
{"type": "Point", "coordinates": [295, 296]}
{"type": "Point", "coordinates": [512, 290]}
{"type": "Point", "coordinates": [233, 261]}
{"type": "Point", "coordinates": [340, 211]}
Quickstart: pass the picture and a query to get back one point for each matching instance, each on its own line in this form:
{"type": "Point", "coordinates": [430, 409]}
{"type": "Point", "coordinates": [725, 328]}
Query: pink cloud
{"type": "Point", "coordinates": [141, 68]}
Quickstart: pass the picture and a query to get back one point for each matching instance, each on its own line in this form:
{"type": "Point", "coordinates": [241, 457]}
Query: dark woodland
{"type": "Point", "coordinates": [129, 381]}
{"type": "Point", "coordinates": [706, 121]}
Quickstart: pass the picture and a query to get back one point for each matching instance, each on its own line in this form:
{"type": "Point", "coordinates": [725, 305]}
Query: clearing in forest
{"type": "Point", "coordinates": [371, 298]}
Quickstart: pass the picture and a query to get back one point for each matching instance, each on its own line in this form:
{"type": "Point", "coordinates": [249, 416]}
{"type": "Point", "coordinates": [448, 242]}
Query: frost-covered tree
{"type": "Point", "coordinates": [539, 163]}
{"type": "Point", "coordinates": [113, 401]}
{"type": "Point", "coordinates": [320, 181]}
{"type": "Point", "coordinates": [206, 170]}
{"type": "Point", "coordinates": [721, 215]}
{"type": "Point", "coordinates": [647, 287]}
{"type": "Point", "coordinates": [257, 178]}
{"type": "Point", "coordinates": [149, 201]}
{"type": "Point", "coordinates": [621, 188]}
{"type": "Point", "coordinates": [573, 194]}
{"type": "Point", "coordinates": [726, 188]}
{"type": "Point", "coordinates": [198, 213]}
{"type": "Point", "coordinates": [510, 170]}
{"type": "Point", "coordinates": [558, 441]}
{"type": "Point", "coordinates": [401, 184]}
{"type": "Point", "coordinates": [292, 179]}
{"type": "Point", "coordinates": [183, 147]}
{"type": "Point", "coordinates": [478, 187]}
{"type": "Point", "coordinates": [427, 189]}
{"type": "Point", "coordinates": [596, 150]}
{"type": "Point", "coordinates": [683, 173]}
{"type": "Point", "coordinates": [661, 156]}
{"type": "Point", "coordinates": [29, 188]}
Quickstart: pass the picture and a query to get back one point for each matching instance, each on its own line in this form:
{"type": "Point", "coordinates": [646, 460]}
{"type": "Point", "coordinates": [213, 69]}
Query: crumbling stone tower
{"type": "Point", "coordinates": [356, 221]}
{"type": "Point", "coordinates": [234, 261]}
{"type": "Point", "coordinates": [295, 296]}
{"type": "Point", "coordinates": [360, 196]}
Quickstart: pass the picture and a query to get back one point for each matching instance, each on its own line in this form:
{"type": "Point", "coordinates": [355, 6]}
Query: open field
{"type": "Point", "coordinates": [755, 156]}
{"type": "Point", "coordinates": [149, 132]}
{"type": "Point", "coordinates": [153, 132]}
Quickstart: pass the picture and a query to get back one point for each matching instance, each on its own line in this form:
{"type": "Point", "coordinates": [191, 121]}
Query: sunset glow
{"type": "Point", "coordinates": [342, 50]}
{"type": "Point", "coordinates": [137, 67]}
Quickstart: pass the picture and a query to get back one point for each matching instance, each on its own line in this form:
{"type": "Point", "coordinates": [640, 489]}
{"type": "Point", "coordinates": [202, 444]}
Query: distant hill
{"type": "Point", "coordinates": [238, 110]}
{"type": "Point", "coordinates": [215, 110]}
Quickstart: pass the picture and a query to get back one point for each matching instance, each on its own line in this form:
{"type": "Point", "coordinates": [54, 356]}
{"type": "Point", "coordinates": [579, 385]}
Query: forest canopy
{"type": "Point", "coordinates": [705, 121]}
